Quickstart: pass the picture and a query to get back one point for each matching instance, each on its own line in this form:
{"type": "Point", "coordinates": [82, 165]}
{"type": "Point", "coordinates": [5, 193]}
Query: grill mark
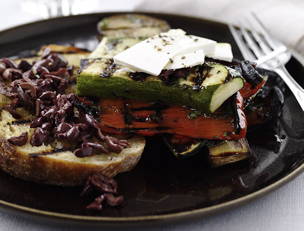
{"type": "Point", "coordinates": [239, 115]}
{"type": "Point", "coordinates": [56, 150]}
{"type": "Point", "coordinates": [227, 154]}
{"type": "Point", "coordinates": [148, 129]}
{"type": "Point", "coordinates": [138, 129]}
{"type": "Point", "coordinates": [152, 107]}
{"type": "Point", "coordinates": [138, 76]}
{"type": "Point", "coordinates": [128, 117]}
{"type": "Point", "coordinates": [236, 120]}
{"type": "Point", "coordinates": [153, 118]}
{"type": "Point", "coordinates": [109, 70]}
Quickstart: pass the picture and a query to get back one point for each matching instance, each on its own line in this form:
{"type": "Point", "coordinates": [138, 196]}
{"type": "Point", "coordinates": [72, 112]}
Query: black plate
{"type": "Point", "coordinates": [160, 187]}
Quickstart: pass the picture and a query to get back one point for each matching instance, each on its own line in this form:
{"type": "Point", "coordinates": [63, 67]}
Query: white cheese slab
{"type": "Point", "coordinates": [153, 54]}
{"type": "Point", "coordinates": [149, 61]}
{"type": "Point", "coordinates": [222, 51]}
{"type": "Point", "coordinates": [171, 50]}
{"type": "Point", "coordinates": [207, 45]}
{"type": "Point", "coordinates": [186, 60]}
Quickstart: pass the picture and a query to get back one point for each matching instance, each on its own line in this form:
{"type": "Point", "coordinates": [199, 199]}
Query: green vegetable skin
{"type": "Point", "coordinates": [207, 100]}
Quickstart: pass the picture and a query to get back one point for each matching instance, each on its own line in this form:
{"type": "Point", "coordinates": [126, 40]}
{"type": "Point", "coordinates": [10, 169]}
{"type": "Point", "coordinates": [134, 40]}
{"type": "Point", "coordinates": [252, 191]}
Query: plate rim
{"type": "Point", "coordinates": [160, 217]}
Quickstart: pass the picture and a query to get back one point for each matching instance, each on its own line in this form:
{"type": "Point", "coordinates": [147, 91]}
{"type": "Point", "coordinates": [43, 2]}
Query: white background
{"type": "Point", "coordinates": [282, 210]}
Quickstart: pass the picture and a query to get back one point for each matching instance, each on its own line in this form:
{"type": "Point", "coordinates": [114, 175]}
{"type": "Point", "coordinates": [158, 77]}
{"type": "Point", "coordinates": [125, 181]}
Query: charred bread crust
{"type": "Point", "coordinates": [46, 170]}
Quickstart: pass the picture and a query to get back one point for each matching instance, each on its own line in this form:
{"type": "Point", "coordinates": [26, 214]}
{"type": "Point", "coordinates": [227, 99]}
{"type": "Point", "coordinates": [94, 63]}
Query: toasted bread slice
{"type": "Point", "coordinates": [72, 58]}
{"type": "Point", "coordinates": [55, 163]}
{"type": "Point", "coordinates": [51, 164]}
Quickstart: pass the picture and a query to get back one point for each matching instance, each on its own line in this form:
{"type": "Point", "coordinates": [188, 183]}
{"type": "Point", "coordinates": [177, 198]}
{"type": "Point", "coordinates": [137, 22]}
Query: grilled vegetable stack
{"type": "Point", "coordinates": [189, 105]}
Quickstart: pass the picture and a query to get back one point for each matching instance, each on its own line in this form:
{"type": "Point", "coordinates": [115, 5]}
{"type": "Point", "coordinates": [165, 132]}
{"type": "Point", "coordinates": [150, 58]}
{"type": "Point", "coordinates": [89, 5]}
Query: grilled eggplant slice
{"type": "Point", "coordinates": [132, 26]}
{"type": "Point", "coordinates": [183, 147]}
{"type": "Point", "coordinates": [250, 73]}
{"type": "Point", "coordinates": [228, 152]}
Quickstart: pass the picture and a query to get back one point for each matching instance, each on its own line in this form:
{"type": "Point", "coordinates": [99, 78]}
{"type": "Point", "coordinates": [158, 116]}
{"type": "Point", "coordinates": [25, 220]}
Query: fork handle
{"type": "Point", "coordinates": [295, 88]}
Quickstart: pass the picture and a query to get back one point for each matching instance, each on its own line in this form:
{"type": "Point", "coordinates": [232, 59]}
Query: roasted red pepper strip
{"type": "Point", "coordinates": [121, 116]}
{"type": "Point", "coordinates": [248, 90]}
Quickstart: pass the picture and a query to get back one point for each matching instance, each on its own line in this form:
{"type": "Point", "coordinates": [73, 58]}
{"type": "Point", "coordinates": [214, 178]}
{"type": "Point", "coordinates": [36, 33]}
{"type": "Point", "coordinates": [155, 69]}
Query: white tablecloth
{"type": "Point", "coordinates": [282, 210]}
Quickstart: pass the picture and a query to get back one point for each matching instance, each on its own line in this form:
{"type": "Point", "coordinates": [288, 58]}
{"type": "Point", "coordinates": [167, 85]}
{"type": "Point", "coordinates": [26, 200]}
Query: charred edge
{"type": "Point", "coordinates": [237, 106]}
{"type": "Point", "coordinates": [158, 116]}
{"type": "Point", "coordinates": [56, 150]}
{"type": "Point", "coordinates": [153, 107]}
{"type": "Point", "coordinates": [155, 117]}
{"type": "Point", "coordinates": [130, 130]}
{"type": "Point", "coordinates": [138, 76]}
{"type": "Point", "coordinates": [109, 70]}
{"type": "Point", "coordinates": [237, 121]}
{"type": "Point", "coordinates": [145, 129]}
{"type": "Point", "coordinates": [226, 154]}
{"type": "Point", "coordinates": [200, 76]}
{"type": "Point", "coordinates": [128, 118]}
{"type": "Point", "coordinates": [250, 73]}
{"type": "Point", "coordinates": [232, 64]}
{"type": "Point", "coordinates": [19, 122]}
{"type": "Point", "coordinates": [89, 109]}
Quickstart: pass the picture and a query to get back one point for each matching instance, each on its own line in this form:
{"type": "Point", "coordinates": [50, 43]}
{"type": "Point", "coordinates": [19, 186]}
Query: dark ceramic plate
{"type": "Point", "coordinates": [160, 187]}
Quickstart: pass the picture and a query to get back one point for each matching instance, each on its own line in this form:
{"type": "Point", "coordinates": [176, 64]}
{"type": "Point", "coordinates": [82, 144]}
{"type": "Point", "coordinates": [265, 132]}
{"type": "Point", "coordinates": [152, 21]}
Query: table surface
{"type": "Point", "coordinates": [282, 209]}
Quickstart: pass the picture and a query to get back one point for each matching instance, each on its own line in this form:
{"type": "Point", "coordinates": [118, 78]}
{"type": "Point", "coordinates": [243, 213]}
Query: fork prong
{"type": "Point", "coordinates": [270, 46]}
{"type": "Point", "coordinates": [262, 28]}
{"type": "Point", "coordinates": [271, 55]}
{"type": "Point", "coordinates": [265, 47]}
{"type": "Point", "coordinates": [251, 42]}
{"type": "Point", "coordinates": [247, 54]}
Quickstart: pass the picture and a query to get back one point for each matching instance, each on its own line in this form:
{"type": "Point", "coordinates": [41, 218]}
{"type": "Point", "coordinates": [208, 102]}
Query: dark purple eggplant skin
{"type": "Point", "coordinates": [250, 73]}
{"type": "Point", "coordinates": [247, 69]}
{"type": "Point", "coordinates": [268, 104]}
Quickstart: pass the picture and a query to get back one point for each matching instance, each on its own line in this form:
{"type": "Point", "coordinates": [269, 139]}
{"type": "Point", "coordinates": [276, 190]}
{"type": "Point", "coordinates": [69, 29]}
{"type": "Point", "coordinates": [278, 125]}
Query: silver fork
{"type": "Point", "coordinates": [258, 46]}
{"type": "Point", "coordinates": [49, 8]}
